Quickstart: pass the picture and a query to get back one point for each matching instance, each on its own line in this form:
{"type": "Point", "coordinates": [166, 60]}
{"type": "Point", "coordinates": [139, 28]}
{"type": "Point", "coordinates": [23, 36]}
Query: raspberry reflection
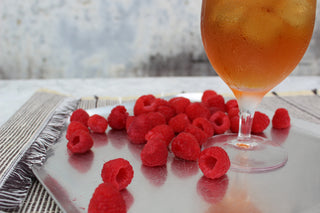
{"type": "Point", "coordinates": [212, 190]}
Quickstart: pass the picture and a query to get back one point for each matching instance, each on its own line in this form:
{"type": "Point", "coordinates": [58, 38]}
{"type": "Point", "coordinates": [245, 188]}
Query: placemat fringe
{"type": "Point", "coordinates": [19, 179]}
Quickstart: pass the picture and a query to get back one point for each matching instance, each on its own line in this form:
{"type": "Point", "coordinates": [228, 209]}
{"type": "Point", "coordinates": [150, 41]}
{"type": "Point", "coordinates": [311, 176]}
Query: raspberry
{"type": "Point", "coordinates": [80, 115]}
{"type": "Point", "coordinates": [80, 142]}
{"type": "Point", "coordinates": [234, 124]}
{"type": "Point", "coordinates": [232, 103]}
{"type": "Point", "coordinates": [164, 130]}
{"type": "Point", "coordinates": [167, 111]}
{"type": "Point", "coordinates": [220, 122]}
{"type": "Point", "coordinates": [74, 126]}
{"type": "Point", "coordinates": [260, 122]}
{"type": "Point", "coordinates": [185, 146]}
{"type": "Point", "coordinates": [118, 117]}
{"type": "Point", "coordinates": [214, 162]}
{"type": "Point", "coordinates": [207, 94]}
{"type": "Point", "coordinates": [179, 104]}
{"type": "Point", "coordinates": [197, 109]}
{"type": "Point", "coordinates": [215, 103]}
{"type": "Point", "coordinates": [199, 134]}
{"type": "Point", "coordinates": [205, 125]}
{"type": "Point", "coordinates": [128, 122]}
{"type": "Point", "coordinates": [281, 119]}
{"type": "Point", "coordinates": [155, 119]}
{"type": "Point", "coordinates": [154, 153]}
{"type": "Point", "coordinates": [97, 123]}
{"type": "Point", "coordinates": [106, 199]}
{"type": "Point", "coordinates": [179, 122]}
{"type": "Point", "coordinates": [233, 112]}
{"type": "Point", "coordinates": [118, 172]}
{"type": "Point", "coordinates": [138, 128]}
{"type": "Point", "coordinates": [144, 104]}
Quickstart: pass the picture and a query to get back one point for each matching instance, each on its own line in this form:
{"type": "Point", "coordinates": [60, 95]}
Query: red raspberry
{"type": "Point", "coordinates": [179, 122]}
{"type": "Point", "coordinates": [144, 104]}
{"type": "Point", "coordinates": [197, 109]}
{"type": "Point", "coordinates": [232, 103]}
{"type": "Point", "coordinates": [154, 153]}
{"type": "Point", "coordinates": [97, 123]}
{"type": "Point", "coordinates": [167, 111]}
{"type": "Point", "coordinates": [260, 122]}
{"type": "Point", "coordinates": [215, 103]}
{"type": "Point", "coordinates": [233, 112]}
{"type": "Point", "coordinates": [128, 122]}
{"type": "Point", "coordinates": [155, 119]}
{"type": "Point", "coordinates": [118, 117]}
{"type": "Point", "coordinates": [164, 130]}
{"type": "Point", "coordinates": [179, 104]}
{"type": "Point", "coordinates": [74, 126]}
{"type": "Point", "coordinates": [118, 172]}
{"type": "Point", "coordinates": [220, 122]}
{"type": "Point", "coordinates": [106, 199]}
{"type": "Point", "coordinates": [205, 125]}
{"type": "Point", "coordinates": [234, 124]}
{"type": "Point", "coordinates": [198, 133]}
{"type": "Point", "coordinates": [281, 119]}
{"type": "Point", "coordinates": [185, 146]}
{"type": "Point", "coordinates": [138, 128]}
{"type": "Point", "coordinates": [214, 162]}
{"type": "Point", "coordinates": [207, 94]}
{"type": "Point", "coordinates": [80, 115]}
{"type": "Point", "coordinates": [80, 142]}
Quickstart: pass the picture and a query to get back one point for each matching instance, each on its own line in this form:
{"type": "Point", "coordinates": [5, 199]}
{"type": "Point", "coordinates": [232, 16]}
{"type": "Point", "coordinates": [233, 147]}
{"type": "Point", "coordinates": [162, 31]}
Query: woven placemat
{"type": "Point", "coordinates": [303, 105]}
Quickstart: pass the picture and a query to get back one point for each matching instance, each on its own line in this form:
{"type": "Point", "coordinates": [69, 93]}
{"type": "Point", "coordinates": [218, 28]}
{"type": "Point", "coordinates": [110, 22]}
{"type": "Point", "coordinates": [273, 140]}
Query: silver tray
{"type": "Point", "coordinates": [180, 186]}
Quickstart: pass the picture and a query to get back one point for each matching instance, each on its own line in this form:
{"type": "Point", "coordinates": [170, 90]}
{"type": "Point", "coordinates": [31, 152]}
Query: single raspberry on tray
{"type": "Point", "coordinates": [144, 104]}
{"type": "Point", "coordinates": [260, 122]}
{"type": "Point", "coordinates": [118, 117]}
{"type": "Point", "coordinates": [75, 126]}
{"type": "Point", "coordinates": [234, 124]}
{"type": "Point", "coordinates": [129, 120]}
{"type": "Point", "coordinates": [106, 199]}
{"type": "Point", "coordinates": [207, 94]}
{"type": "Point", "coordinates": [215, 103]}
{"type": "Point", "coordinates": [164, 130]}
{"type": "Point", "coordinates": [167, 111]}
{"type": "Point", "coordinates": [179, 104]}
{"type": "Point", "coordinates": [232, 103]}
{"type": "Point", "coordinates": [118, 172]}
{"type": "Point", "coordinates": [155, 119]}
{"type": "Point", "coordinates": [233, 112]}
{"type": "Point", "coordinates": [154, 153]}
{"type": "Point", "coordinates": [220, 122]}
{"type": "Point", "coordinates": [80, 142]}
{"type": "Point", "coordinates": [198, 133]}
{"type": "Point", "coordinates": [138, 128]}
{"type": "Point", "coordinates": [179, 122]}
{"type": "Point", "coordinates": [214, 162]}
{"type": "Point", "coordinates": [185, 146]}
{"type": "Point", "coordinates": [80, 115]}
{"type": "Point", "coordinates": [205, 125]}
{"type": "Point", "coordinates": [281, 119]}
{"type": "Point", "coordinates": [197, 109]}
{"type": "Point", "coordinates": [97, 123]}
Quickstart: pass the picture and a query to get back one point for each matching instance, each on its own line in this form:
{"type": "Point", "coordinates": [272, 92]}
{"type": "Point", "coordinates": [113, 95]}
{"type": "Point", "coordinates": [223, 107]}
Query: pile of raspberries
{"type": "Point", "coordinates": [176, 125]}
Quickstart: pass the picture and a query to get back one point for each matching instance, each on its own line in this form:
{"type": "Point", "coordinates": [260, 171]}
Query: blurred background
{"type": "Point", "coordinates": [42, 39]}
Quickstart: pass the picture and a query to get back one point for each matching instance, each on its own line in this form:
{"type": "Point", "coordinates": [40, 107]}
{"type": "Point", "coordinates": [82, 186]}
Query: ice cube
{"type": "Point", "coordinates": [295, 12]}
{"type": "Point", "coordinates": [261, 25]}
{"type": "Point", "coordinates": [227, 14]}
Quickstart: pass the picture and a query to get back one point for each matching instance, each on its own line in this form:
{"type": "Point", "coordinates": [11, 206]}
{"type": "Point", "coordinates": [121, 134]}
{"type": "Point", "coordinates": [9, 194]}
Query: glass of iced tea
{"type": "Point", "coordinates": [253, 45]}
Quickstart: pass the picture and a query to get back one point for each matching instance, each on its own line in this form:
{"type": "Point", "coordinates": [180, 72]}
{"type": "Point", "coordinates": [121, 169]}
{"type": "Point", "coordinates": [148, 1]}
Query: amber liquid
{"type": "Point", "coordinates": [254, 44]}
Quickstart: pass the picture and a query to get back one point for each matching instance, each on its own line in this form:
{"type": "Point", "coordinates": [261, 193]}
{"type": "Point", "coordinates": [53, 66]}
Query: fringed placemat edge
{"type": "Point", "coordinates": [18, 181]}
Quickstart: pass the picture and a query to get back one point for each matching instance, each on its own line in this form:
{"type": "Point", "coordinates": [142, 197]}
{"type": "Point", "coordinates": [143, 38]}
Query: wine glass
{"type": "Point", "coordinates": [253, 45]}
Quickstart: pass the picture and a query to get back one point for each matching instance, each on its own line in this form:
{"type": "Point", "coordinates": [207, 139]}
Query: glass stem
{"type": "Point", "coordinates": [247, 109]}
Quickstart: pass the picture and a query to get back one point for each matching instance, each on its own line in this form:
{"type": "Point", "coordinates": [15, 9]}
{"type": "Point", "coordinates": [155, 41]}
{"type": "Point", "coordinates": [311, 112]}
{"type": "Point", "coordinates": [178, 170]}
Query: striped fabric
{"type": "Point", "coordinates": [305, 105]}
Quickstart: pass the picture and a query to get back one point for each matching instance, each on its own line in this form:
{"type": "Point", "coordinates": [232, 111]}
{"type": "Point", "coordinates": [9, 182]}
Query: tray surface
{"type": "Point", "coordinates": [180, 186]}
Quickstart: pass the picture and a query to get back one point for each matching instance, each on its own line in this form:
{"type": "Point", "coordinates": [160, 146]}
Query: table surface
{"type": "Point", "coordinates": [14, 93]}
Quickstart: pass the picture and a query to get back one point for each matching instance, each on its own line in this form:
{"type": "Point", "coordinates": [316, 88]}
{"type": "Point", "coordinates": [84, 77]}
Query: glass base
{"type": "Point", "coordinates": [257, 155]}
